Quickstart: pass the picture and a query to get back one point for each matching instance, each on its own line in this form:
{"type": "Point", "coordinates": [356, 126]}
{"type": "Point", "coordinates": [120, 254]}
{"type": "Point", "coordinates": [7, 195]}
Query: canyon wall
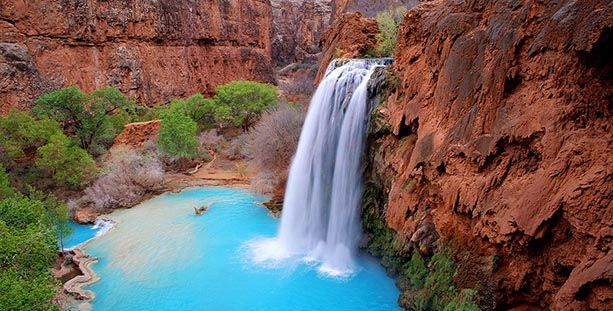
{"type": "Point", "coordinates": [350, 35]}
{"type": "Point", "coordinates": [152, 50]}
{"type": "Point", "coordinates": [298, 27]}
{"type": "Point", "coordinates": [495, 137]}
{"type": "Point", "coordinates": [369, 8]}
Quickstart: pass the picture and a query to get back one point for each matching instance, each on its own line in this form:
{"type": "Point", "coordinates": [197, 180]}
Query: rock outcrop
{"type": "Point", "coordinates": [152, 50]}
{"type": "Point", "coordinates": [350, 35]}
{"type": "Point", "coordinates": [497, 139]}
{"type": "Point", "coordinates": [298, 27]}
{"type": "Point", "coordinates": [135, 135]}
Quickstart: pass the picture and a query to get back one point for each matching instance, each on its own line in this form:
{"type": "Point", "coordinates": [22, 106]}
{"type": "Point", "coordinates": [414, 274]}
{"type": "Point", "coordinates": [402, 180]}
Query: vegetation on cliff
{"type": "Point", "coordinates": [427, 283]}
{"type": "Point", "coordinates": [29, 233]}
{"type": "Point", "coordinates": [389, 22]}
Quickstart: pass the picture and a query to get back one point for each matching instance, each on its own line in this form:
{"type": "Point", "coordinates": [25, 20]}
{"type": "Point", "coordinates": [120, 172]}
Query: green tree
{"type": "Point", "coordinates": [27, 252]}
{"type": "Point", "coordinates": [20, 132]}
{"type": "Point", "coordinates": [388, 21]}
{"type": "Point", "coordinates": [198, 108]}
{"type": "Point", "coordinates": [56, 211]}
{"type": "Point", "coordinates": [245, 100]}
{"type": "Point", "coordinates": [68, 164]}
{"type": "Point", "coordinates": [88, 117]}
{"type": "Point", "coordinates": [177, 135]}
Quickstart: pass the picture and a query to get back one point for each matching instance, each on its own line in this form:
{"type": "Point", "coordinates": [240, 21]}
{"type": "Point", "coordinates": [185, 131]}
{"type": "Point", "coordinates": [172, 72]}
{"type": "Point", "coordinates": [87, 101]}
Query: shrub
{"type": "Point", "coordinates": [236, 149]}
{"type": "Point", "coordinates": [177, 135]}
{"type": "Point", "coordinates": [88, 117]}
{"type": "Point", "coordinates": [27, 251]}
{"type": "Point", "coordinates": [209, 141]}
{"type": "Point", "coordinates": [69, 165]}
{"type": "Point", "coordinates": [273, 141]}
{"type": "Point", "coordinates": [389, 22]}
{"type": "Point", "coordinates": [129, 176]}
{"type": "Point", "coordinates": [243, 102]}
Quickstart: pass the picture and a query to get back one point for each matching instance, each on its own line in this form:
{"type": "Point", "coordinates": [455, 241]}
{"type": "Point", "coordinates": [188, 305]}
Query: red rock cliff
{"type": "Point", "coordinates": [153, 50]}
{"type": "Point", "coordinates": [497, 138]}
{"type": "Point", "coordinates": [298, 27]}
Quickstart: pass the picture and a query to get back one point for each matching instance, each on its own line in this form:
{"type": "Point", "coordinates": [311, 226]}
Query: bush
{"type": "Point", "coordinates": [27, 252]}
{"type": "Point", "coordinates": [243, 102]}
{"type": "Point", "coordinates": [389, 22]}
{"type": "Point", "coordinates": [273, 142]}
{"type": "Point", "coordinates": [236, 149]}
{"type": "Point", "coordinates": [129, 176]}
{"type": "Point", "coordinates": [69, 165]}
{"type": "Point", "coordinates": [177, 135]}
{"type": "Point", "coordinates": [89, 117]}
{"type": "Point", "coordinates": [209, 141]}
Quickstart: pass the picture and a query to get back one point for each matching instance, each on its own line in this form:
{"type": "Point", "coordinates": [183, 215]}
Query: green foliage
{"type": "Point", "coordinates": [381, 239]}
{"type": "Point", "coordinates": [6, 190]}
{"type": "Point", "coordinates": [389, 22]}
{"type": "Point", "coordinates": [244, 102]}
{"type": "Point", "coordinates": [56, 210]}
{"type": "Point", "coordinates": [20, 132]}
{"type": "Point", "coordinates": [177, 134]}
{"type": "Point", "coordinates": [27, 251]}
{"type": "Point", "coordinates": [417, 271]}
{"type": "Point", "coordinates": [68, 164]}
{"type": "Point", "coordinates": [90, 118]}
{"type": "Point", "coordinates": [432, 287]}
{"type": "Point", "coordinates": [201, 110]}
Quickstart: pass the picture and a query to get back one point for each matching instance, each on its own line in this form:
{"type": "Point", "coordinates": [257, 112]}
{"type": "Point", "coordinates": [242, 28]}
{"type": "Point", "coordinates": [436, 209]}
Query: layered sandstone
{"type": "Point", "coordinates": [497, 139]}
{"type": "Point", "coordinates": [152, 50]}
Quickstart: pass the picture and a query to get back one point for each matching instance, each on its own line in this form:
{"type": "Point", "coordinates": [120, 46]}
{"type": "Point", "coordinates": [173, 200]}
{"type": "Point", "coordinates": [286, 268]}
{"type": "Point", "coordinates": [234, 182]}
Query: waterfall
{"type": "Point", "coordinates": [321, 209]}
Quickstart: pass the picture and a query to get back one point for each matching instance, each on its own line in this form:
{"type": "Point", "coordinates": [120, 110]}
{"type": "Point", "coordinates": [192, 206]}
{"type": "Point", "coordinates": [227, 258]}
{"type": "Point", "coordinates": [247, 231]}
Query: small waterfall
{"type": "Point", "coordinates": [320, 216]}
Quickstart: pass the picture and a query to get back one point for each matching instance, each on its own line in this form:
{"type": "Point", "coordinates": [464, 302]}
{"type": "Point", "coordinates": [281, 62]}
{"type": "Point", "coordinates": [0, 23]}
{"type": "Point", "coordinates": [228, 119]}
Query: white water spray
{"type": "Point", "coordinates": [320, 218]}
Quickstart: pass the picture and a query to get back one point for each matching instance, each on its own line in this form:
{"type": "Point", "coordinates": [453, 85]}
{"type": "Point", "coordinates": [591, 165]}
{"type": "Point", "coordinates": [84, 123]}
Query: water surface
{"type": "Point", "coordinates": [160, 256]}
{"type": "Point", "coordinates": [80, 234]}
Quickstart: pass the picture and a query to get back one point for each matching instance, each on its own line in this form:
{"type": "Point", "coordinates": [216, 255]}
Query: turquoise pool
{"type": "Point", "coordinates": [82, 233]}
{"type": "Point", "coordinates": [160, 256]}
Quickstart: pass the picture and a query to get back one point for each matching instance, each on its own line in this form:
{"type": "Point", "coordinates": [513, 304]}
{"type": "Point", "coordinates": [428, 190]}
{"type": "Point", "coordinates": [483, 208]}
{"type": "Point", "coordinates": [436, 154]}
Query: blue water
{"type": "Point", "coordinates": [160, 256]}
{"type": "Point", "coordinates": [79, 234]}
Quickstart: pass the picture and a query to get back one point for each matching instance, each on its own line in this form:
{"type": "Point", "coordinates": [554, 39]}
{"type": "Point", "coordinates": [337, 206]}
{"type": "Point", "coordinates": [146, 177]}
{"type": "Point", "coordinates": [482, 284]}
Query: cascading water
{"type": "Point", "coordinates": [320, 216]}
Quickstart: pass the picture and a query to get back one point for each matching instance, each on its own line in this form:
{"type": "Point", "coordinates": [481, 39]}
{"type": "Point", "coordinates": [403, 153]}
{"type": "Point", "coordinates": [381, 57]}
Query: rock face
{"type": "Point", "coordinates": [351, 35]}
{"type": "Point", "coordinates": [152, 50]}
{"type": "Point", "coordinates": [135, 135]}
{"type": "Point", "coordinates": [497, 138]}
{"type": "Point", "coordinates": [298, 27]}
{"type": "Point", "coordinates": [369, 8]}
